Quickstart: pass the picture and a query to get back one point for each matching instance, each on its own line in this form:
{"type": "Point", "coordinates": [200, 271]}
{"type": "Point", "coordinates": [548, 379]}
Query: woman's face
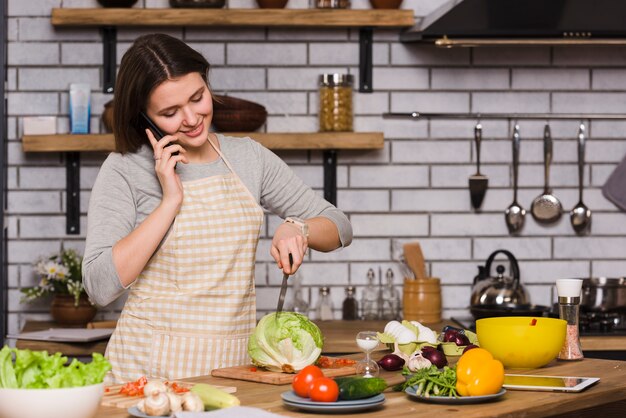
{"type": "Point", "coordinates": [183, 107]}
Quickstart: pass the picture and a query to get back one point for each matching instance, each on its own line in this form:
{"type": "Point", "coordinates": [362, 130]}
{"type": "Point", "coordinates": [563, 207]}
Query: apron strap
{"type": "Point", "coordinates": [223, 157]}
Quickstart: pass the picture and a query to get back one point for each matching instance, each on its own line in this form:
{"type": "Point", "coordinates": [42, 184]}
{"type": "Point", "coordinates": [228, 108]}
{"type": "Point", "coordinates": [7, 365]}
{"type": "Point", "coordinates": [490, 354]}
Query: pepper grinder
{"type": "Point", "coordinates": [569, 310]}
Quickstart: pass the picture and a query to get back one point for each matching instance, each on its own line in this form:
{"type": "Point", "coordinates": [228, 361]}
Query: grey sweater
{"type": "Point", "coordinates": [127, 190]}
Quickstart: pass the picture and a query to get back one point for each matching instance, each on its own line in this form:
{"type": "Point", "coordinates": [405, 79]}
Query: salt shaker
{"type": "Point", "coordinates": [569, 309]}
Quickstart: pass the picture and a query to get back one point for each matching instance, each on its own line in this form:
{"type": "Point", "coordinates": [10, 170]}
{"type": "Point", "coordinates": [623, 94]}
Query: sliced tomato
{"type": "Point", "coordinates": [177, 388]}
{"type": "Point", "coordinates": [134, 388]}
{"type": "Point", "coordinates": [334, 363]}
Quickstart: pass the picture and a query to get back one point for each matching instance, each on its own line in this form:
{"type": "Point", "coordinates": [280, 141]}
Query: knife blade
{"type": "Point", "coordinates": [283, 289]}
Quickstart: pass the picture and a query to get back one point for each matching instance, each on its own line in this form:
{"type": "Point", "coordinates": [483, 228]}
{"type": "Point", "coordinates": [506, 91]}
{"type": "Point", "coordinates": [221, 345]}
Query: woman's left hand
{"type": "Point", "coordinates": [288, 239]}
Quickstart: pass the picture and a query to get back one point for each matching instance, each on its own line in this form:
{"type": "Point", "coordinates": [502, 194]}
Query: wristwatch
{"type": "Point", "coordinates": [300, 223]}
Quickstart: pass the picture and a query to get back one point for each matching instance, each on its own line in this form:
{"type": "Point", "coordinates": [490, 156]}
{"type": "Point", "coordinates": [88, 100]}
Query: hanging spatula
{"type": "Point", "coordinates": [478, 183]}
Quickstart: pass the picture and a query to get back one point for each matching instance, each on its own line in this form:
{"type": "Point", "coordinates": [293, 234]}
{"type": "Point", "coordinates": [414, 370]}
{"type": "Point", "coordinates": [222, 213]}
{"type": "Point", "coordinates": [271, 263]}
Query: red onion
{"type": "Point", "coordinates": [435, 356]}
{"type": "Point", "coordinates": [391, 362]}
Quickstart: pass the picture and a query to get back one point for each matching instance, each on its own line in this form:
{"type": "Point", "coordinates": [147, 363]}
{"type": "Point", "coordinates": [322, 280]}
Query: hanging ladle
{"type": "Point", "coordinates": [546, 208]}
{"type": "Point", "coordinates": [580, 216]}
{"type": "Point", "coordinates": [515, 214]}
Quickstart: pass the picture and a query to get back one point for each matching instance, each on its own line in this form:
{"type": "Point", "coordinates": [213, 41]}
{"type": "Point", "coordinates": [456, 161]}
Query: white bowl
{"type": "Point", "coordinates": [78, 402]}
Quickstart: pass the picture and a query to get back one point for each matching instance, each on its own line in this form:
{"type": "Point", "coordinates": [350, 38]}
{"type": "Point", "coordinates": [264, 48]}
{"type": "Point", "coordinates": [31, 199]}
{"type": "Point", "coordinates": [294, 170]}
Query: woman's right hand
{"type": "Point", "coordinates": [165, 164]}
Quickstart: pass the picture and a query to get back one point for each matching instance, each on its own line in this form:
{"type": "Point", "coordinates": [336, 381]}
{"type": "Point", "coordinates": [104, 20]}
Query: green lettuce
{"type": "Point", "coordinates": [288, 343]}
{"type": "Point", "coordinates": [28, 369]}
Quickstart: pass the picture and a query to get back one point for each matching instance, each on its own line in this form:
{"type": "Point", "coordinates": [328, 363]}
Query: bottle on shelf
{"type": "Point", "coordinates": [300, 305]}
{"type": "Point", "coordinates": [389, 298]}
{"type": "Point", "coordinates": [370, 298]}
{"type": "Point", "coordinates": [350, 307]}
{"type": "Point", "coordinates": [324, 310]}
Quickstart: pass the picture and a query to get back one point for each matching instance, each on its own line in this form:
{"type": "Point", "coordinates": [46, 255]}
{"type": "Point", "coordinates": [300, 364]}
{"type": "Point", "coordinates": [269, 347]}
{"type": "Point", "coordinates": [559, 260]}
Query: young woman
{"type": "Point", "coordinates": [176, 221]}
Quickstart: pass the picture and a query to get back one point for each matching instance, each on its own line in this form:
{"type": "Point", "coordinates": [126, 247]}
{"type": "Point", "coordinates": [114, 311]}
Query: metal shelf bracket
{"type": "Point", "coordinates": [330, 176]}
{"type": "Point", "coordinates": [72, 198]}
{"type": "Point", "coordinates": [109, 58]}
{"type": "Point", "coordinates": [365, 60]}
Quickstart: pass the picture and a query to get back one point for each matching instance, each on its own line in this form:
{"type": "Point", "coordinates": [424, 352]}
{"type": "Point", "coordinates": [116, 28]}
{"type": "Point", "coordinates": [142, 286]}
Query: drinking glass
{"type": "Point", "coordinates": [367, 342]}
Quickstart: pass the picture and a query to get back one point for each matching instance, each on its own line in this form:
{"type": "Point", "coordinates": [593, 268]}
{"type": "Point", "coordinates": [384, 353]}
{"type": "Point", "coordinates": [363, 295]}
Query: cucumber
{"type": "Point", "coordinates": [358, 387]}
{"type": "Point", "coordinates": [214, 398]}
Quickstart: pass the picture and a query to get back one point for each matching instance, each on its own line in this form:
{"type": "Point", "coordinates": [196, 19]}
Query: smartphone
{"type": "Point", "coordinates": [147, 123]}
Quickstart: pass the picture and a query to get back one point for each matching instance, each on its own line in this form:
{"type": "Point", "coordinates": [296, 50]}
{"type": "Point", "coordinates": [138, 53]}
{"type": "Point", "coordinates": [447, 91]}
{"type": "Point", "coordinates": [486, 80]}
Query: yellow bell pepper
{"type": "Point", "coordinates": [478, 373]}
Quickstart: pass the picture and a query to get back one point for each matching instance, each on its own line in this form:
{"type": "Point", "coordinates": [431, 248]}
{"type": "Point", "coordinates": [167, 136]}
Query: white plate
{"type": "Point", "coordinates": [306, 404]}
{"type": "Point", "coordinates": [134, 411]}
{"type": "Point", "coordinates": [461, 400]}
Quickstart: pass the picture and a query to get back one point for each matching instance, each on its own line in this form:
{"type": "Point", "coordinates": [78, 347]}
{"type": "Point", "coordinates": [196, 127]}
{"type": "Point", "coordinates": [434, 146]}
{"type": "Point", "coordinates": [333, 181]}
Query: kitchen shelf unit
{"type": "Point", "coordinates": [108, 19]}
{"type": "Point", "coordinates": [328, 142]}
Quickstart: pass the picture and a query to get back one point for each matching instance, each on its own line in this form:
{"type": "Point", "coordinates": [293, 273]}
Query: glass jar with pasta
{"type": "Point", "coordinates": [335, 98]}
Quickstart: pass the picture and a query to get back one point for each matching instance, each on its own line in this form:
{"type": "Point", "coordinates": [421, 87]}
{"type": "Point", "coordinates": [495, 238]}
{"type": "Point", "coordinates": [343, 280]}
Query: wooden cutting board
{"type": "Point", "coordinates": [273, 378]}
{"type": "Point", "coordinates": [113, 397]}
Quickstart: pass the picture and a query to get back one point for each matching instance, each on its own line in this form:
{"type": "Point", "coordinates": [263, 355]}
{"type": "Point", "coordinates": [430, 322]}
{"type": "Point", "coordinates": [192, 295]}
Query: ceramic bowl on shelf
{"type": "Point", "coordinates": [215, 4]}
{"type": "Point", "coordinates": [386, 4]}
{"type": "Point", "coordinates": [522, 342]}
{"type": "Point", "coordinates": [231, 114]}
{"type": "Point", "coordinates": [272, 4]}
{"type": "Point", "coordinates": [117, 3]}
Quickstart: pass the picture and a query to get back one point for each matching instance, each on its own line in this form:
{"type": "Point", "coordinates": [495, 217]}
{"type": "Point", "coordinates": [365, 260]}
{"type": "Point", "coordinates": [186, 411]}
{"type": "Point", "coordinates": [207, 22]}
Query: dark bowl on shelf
{"type": "Point", "coordinates": [216, 4]}
{"type": "Point", "coordinates": [231, 114]}
{"type": "Point", "coordinates": [117, 3]}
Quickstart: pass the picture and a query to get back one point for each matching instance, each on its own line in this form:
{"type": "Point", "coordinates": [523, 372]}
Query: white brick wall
{"type": "Point", "coordinates": [413, 189]}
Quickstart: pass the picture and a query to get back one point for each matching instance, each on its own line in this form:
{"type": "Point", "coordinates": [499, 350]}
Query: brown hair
{"type": "Point", "coordinates": [151, 60]}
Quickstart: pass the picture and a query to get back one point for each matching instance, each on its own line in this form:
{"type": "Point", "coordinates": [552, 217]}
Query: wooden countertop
{"type": "Point", "coordinates": [607, 397]}
{"type": "Point", "coordinates": [339, 337]}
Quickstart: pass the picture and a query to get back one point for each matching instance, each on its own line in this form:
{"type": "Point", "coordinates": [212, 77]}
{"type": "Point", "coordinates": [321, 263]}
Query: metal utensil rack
{"type": "Point", "coordinates": [509, 116]}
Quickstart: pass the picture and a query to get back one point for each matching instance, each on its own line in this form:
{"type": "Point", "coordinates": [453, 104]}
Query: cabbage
{"type": "Point", "coordinates": [287, 344]}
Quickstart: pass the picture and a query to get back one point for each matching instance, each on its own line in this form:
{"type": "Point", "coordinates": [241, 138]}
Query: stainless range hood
{"type": "Point", "coordinates": [522, 22]}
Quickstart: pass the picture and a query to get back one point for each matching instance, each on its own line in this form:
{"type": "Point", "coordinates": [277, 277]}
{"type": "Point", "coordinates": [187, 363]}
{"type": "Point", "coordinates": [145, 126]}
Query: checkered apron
{"type": "Point", "coordinates": [193, 307]}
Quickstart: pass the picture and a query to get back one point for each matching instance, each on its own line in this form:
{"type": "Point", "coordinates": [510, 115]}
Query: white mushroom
{"type": "Point", "coordinates": [192, 402]}
{"type": "Point", "coordinates": [141, 406]}
{"type": "Point", "coordinates": [154, 386]}
{"type": "Point", "coordinates": [176, 402]}
{"type": "Point", "coordinates": [157, 404]}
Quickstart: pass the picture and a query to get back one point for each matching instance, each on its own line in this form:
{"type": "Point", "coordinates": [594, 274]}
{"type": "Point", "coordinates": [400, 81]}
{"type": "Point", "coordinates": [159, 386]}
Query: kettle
{"type": "Point", "coordinates": [499, 290]}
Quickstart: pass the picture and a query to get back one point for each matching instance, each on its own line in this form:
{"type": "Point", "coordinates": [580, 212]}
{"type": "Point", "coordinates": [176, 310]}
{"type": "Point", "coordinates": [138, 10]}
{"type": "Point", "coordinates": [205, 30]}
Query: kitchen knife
{"type": "Point", "coordinates": [283, 290]}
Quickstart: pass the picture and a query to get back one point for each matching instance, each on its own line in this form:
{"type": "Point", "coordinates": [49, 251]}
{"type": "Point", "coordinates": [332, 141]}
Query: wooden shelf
{"type": "Point", "coordinates": [232, 17]}
{"type": "Point", "coordinates": [274, 141]}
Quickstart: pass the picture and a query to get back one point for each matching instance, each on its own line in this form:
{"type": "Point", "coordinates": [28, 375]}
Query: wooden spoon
{"type": "Point", "coordinates": [415, 259]}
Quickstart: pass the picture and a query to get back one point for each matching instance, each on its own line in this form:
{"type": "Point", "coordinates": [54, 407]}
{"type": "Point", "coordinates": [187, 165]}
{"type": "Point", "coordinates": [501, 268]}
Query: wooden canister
{"type": "Point", "coordinates": [421, 300]}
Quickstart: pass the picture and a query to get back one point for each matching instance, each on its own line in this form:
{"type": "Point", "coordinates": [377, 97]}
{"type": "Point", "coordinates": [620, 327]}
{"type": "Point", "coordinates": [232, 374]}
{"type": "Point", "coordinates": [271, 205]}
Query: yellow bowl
{"type": "Point", "coordinates": [519, 344]}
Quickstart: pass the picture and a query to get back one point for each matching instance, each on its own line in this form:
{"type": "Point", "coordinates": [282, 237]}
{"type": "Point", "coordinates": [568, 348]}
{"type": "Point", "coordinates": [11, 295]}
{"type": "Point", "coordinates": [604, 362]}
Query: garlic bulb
{"type": "Point", "coordinates": [192, 402]}
{"type": "Point", "coordinates": [176, 402]}
{"type": "Point", "coordinates": [154, 386]}
{"type": "Point", "coordinates": [157, 404]}
{"type": "Point", "coordinates": [418, 362]}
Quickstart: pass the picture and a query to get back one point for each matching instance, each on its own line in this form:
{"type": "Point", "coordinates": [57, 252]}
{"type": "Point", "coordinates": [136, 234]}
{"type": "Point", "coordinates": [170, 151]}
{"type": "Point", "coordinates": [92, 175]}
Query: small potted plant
{"type": "Point", "coordinates": [61, 277]}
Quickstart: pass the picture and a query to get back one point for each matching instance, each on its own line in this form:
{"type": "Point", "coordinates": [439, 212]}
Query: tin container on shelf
{"type": "Point", "coordinates": [335, 97]}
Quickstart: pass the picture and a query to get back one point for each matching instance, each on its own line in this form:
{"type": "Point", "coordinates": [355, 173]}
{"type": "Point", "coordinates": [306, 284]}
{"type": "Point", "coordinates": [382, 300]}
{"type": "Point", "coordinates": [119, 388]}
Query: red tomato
{"type": "Point", "coordinates": [324, 389]}
{"type": "Point", "coordinates": [303, 379]}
